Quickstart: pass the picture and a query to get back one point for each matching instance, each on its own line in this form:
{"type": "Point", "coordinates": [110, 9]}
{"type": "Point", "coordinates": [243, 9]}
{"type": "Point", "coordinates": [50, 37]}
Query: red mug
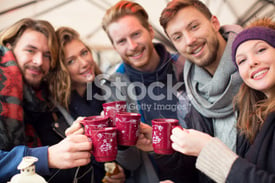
{"type": "Point", "coordinates": [104, 144]}
{"type": "Point", "coordinates": [161, 132]}
{"type": "Point", "coordinates": [94, 122]}
{"type": "Point", "coordinates": [127, 125]}
{"type": "Point", "coordinates": [112, 108]}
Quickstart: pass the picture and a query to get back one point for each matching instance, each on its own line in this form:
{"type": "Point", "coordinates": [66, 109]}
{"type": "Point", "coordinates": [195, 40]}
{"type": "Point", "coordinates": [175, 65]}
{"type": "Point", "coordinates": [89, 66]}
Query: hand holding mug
{"type": "Point", "coordinates": [75, 128]}
{"type": "Point", "coordinates": [73, 151]}
{"type": "Point", "coordinates": [189, 142]}
{"type": "Point", "coordinates": [144, 141]}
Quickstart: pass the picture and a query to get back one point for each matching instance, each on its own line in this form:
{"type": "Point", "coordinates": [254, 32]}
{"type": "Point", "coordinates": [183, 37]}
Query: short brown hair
{"type": "Point", "coordinates": [174, 6]}
{"type": "Point", "coordinates": [124, 8]}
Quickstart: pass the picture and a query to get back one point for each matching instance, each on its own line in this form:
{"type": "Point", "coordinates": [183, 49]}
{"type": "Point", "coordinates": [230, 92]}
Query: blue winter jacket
{"type": "Point", "coordinates": [9, 160]}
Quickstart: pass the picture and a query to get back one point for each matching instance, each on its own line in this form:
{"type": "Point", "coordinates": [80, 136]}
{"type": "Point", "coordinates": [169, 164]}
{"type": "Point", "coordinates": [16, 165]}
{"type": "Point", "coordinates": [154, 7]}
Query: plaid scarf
{"type": "Point", "coordinates": [11, 96]}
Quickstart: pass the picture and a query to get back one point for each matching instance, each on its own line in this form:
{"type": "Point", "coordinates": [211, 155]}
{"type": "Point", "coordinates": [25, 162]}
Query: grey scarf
{"type": "Point", "coordinates": [212, 96]}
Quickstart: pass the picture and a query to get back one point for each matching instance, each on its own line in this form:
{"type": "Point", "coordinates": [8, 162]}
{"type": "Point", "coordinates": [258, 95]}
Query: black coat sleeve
{"type": "Point", "coordinates": [244, 171]}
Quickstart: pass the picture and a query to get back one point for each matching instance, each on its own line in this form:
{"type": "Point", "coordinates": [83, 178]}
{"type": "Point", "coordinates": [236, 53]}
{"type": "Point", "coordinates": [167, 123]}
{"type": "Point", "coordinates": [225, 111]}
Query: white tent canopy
{"type": "Point", "coordinates": [85, 15]}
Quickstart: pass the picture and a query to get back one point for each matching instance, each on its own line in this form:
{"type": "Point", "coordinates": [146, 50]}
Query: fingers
{"type": "Point", "coordinates": [80, 162]}
{"type": "Point", "coordinates": [75, 159]}
{"type": "Point", "coordinates": [178, 131]}
{"type": "Point", "coordinates": [179, 138]}
{"type": "Point", "coordinates": [76, 127]}
{"type": "Point", "coordinates": [142, 140]}
{"type": "Point", "coordinates": [189, 142]}
{"type": "Point", "coordinates": [179, 135]}
{"type": "Point", "coordinates": [178, 148]}
{"type": "Point", "coordinates": [71, 152]}
{"type": "Point", "coordinates": [144, 144]}
{"type": "Point", "coordinates": [166, 181]}
{"type": "Point", "coordinates": [146, 130]}
{"type": "Point", "coordinates": [79, 119]}
{"type": "Point", "coordinates": [79, 155]}
{"type": "Point", "coordinates": [118, 178]}
{"type": "Point", "coordinates": [78, 142]}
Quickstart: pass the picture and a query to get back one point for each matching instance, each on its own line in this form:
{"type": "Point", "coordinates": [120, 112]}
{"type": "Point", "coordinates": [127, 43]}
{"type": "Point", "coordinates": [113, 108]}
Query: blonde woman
{"type": "Point", "coordinates": [68, 84]}
{"type": "Point", "coordinates": [76, 68]}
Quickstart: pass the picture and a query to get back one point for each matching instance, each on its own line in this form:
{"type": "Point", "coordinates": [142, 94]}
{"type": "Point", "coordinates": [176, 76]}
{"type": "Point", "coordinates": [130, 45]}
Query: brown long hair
{"type": "Point", "coordinates": [60, 81]}
{"type": "Point", "coordinates": [253, 105]}
{"type": "Point", "coordinates": [12, 34]}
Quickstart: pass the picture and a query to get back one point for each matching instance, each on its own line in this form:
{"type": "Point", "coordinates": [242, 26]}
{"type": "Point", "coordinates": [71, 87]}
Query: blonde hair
{"type": "Point", "coordinates": [60, 81]}
{"type": "Point", "coordinates": [13, 33]}
{"type": "Point", "coordinates": [124, 8]}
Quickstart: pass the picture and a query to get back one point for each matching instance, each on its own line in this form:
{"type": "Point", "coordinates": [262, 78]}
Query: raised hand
{"type": "Point", "coordinates": [189, 142]}
{"type": "Point", "coordinates": [76, 127]}
{"type": "Point", "coordinates": [73, 151]}
{"type": "Point", "coordinates": [144, 141]}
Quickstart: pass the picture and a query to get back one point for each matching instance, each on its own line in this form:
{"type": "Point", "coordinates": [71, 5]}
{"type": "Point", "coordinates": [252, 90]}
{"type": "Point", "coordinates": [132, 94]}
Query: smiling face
{"type": "Point", "coordinates": [255, 59]}
{"type": "Point", "coordinates": [79, 62]}
{"type": "Point", "coordinates": [133, 42]}
{"type": "Point", "coordinates": [196, 37]}
{"type": "Point", "coordinates": [33, 56]}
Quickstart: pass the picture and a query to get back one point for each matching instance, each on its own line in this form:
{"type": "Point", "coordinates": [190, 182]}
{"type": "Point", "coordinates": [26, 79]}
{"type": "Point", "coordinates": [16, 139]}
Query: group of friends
{"type": "Point", "coordinates": [225, 106]}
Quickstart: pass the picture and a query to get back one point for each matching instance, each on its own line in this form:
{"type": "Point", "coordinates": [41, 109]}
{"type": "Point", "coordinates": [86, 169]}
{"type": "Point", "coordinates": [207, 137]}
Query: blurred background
{"type": "Point", "coordinates": [85, 16]}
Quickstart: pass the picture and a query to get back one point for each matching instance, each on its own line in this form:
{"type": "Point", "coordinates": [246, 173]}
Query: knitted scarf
{"type": "Point", "coordinates": [11, 96]}
{"type": "Point", "coordinates": [212, 96]}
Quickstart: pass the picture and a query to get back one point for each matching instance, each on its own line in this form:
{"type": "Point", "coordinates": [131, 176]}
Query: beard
{"type": "Point", "coordinates": [34, 82]}
{"type": "Point", "coordinates": [210, 57]}
{"type": "Point", "coordinates": [31, 79]}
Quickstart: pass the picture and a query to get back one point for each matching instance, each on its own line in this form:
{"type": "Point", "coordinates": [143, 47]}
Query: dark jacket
{"type": "Point", "coordinates": [256, 163]}
{"type": "Point", "coordinates": [81, 106]}
{"type": "Point", "coordinates": [50, 125]}
{"type": "Point", "coordinates": [163, 166]}
{"type": "Point", "coordinates": [169, 65]}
